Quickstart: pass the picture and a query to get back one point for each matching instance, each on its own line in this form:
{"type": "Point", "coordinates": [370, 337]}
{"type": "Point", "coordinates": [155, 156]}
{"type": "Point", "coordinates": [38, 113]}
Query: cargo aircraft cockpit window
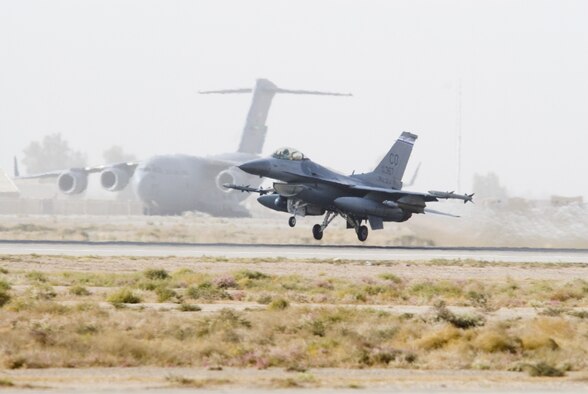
{"type": "Point", "coordinates": [288, 154]}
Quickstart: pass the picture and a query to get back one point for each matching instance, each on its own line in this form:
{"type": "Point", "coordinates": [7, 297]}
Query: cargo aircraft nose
{"type": "Point", "coordinates": [259, 167]}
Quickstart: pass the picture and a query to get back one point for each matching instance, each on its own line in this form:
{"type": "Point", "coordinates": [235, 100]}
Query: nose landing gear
{"type": "Point", "coordinates": [292, 221]}
{"type": "Point", "coordinates": [362, 233]}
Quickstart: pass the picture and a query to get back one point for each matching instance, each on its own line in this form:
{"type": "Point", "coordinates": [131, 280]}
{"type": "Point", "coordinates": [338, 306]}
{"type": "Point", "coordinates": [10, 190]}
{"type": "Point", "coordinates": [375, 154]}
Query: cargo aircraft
{"type": "Point", "coordinates": [172, 184]}
{"type": "Point", "coordinates": [307, 188]}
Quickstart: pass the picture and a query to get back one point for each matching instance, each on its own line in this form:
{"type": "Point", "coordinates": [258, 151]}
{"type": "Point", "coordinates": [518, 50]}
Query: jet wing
{"type": "Point", "coordinates": [402, 196]}
{"type": "Point", "coordinates": [396, 194]}
{"type": "Point", "coordinates": [426, 197]}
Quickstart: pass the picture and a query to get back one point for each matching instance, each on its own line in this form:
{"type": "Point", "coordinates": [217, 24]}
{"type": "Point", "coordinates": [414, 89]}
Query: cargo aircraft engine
{"type": "Point", "coordinates": [72, 182]}
{"type": "Point", "coordinates": [231, 176]}
{"type": "Point", "coordinates": [114, 179]}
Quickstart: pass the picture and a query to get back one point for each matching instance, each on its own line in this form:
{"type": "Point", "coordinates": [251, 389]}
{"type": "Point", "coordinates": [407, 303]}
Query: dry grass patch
{"type": "Point", "coordinates": [47, 334]}
{"type": "Point", "coordinates": [439, 337]}
{"type": "Point", "coordinates": [40, 327]}
{"type": "Point", "coordinates": [251, 285]}
{"type": "Point", "coordinates": [495, 340]}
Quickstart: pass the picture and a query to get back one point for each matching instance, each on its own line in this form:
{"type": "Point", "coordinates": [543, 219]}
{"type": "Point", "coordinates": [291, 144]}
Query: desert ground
{"type": "Point", "coordinates": [279, 324]}
{"type": "Point", "coordinates": [304, 324]}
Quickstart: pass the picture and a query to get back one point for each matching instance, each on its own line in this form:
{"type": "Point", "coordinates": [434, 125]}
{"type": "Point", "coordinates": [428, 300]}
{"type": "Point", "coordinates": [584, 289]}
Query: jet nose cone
{"type": "Point", "coordinates": [259, 167]}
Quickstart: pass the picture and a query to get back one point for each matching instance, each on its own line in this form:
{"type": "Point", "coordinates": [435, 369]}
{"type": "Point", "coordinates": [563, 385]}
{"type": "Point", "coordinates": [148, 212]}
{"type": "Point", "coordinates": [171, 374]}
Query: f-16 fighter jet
{"type": "Point", "coordinates": [307, 188]}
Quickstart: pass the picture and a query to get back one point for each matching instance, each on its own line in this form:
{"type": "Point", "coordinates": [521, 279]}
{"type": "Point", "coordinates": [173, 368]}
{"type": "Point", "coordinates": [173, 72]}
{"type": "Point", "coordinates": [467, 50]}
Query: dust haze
{"type": "Point", "coordinates": [121, 80]}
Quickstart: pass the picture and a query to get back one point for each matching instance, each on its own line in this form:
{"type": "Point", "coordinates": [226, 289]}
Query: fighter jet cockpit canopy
{"type": "Point", "coordinates": [288, 154]}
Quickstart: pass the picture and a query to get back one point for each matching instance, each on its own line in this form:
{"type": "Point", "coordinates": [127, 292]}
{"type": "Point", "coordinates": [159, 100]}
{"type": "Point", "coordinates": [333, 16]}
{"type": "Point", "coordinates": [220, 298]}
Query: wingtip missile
{"type": "Point", "coordinates": [452, 195]}
{"type": "Point", "coordinates": [469, 198]}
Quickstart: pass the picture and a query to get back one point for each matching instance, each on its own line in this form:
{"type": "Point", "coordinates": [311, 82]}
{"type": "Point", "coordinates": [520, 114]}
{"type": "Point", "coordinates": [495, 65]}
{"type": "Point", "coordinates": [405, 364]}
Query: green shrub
{"type": "Point", "coordinates": [264, 299]}
{"type": "Point", "coordinates": [86, 329]}
{"type": "Point", "coordinates": [317, 327]}
{"type": "Point", "coordinates": [579, 314]}
{"type": "Point", "coordinates": [148, 285]}
{"type": "Point", "coordinates": [43, 292]}
{"type": "Point", "coordinates": [251, 275]}
{"type": "Point", "coordinates": [164, 294]}
{"type": "Point", "coordinates": [278, 304]}
{"type": "Point", "coordinates": [156, 274]}
{"type": "Point", "coordinates": [391, 277]}
{"type": "Point", "coordinates": [189, 308]}
{"type": "Point", "coordinates": [458, 321]}
{"type": "Point", "coordinates": [78, 290]}
{"type": "Point", "coordinates": [477, 299]}
{"type": "Point", "coordinates": [429, 289]}
{"type": "Point", "coordinates": [543, 369]}
{"type": "Point", "coordinates": [225, 282]}
{"type": "Point", "coordinates": [552, 311]}
{"type": "Point", "coordinates": [206, 291]}
{"type": "Point", "coordinates": [36, 276]}
{"type": "Point", "coordinates": [4, 286]}
{"type": "Point", "coordinates": [123, 296]}
{"type": "Point", "coordinates": [4, 298]}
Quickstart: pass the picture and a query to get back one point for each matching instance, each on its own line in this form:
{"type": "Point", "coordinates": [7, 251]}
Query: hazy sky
{"type": "Point", "coordinates": [128, 72]}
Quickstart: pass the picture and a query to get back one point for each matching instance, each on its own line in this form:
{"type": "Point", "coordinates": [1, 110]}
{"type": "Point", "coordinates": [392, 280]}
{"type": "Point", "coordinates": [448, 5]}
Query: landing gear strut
{"type": "Point", "coordinates": [318, 229]}
{"type": "Point", "coordinates": [292, 221]}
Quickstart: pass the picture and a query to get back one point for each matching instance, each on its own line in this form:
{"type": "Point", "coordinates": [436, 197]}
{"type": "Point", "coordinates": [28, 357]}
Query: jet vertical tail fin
{"type": "Point", "coordinates": [391, 169]}
{"type": "Point", "coordinates": [255, 129]}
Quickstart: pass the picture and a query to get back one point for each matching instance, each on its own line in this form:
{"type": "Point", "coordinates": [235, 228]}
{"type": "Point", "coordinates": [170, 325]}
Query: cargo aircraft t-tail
{"type": "Point", "coordinates": [307, 188]}
{"type": "Point", "coordinates": [172, 184]}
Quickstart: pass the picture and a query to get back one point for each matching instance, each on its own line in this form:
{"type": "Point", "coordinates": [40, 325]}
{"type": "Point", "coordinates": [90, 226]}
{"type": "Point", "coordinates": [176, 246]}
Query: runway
{"type": "Point", "coordinates": [352, 252]}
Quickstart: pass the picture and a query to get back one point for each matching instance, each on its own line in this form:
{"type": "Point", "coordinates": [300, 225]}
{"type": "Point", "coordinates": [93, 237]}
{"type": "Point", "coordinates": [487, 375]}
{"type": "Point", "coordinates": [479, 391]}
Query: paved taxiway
{"type": "Point", "coordinates": [292, 251]}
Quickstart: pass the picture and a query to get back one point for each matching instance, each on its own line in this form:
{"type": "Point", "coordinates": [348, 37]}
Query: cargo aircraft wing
{"type": "Point", "coordinates": [127, 166]}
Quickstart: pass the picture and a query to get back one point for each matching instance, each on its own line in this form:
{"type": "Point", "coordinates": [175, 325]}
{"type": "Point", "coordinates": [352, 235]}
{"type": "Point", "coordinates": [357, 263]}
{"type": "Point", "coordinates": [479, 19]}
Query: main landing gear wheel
{"type": "Point", "coordinates": [292, 221]}
{"type": "Point", "coordinates": [317, 232]}
{"type": "Point", "coordinates": [362, 233]}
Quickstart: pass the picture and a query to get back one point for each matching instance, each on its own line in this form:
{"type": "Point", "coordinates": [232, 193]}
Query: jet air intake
{"type": "Point", "coordinates": [72, 182]}
{"type": "Point", "coordinates": [114, 179]}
